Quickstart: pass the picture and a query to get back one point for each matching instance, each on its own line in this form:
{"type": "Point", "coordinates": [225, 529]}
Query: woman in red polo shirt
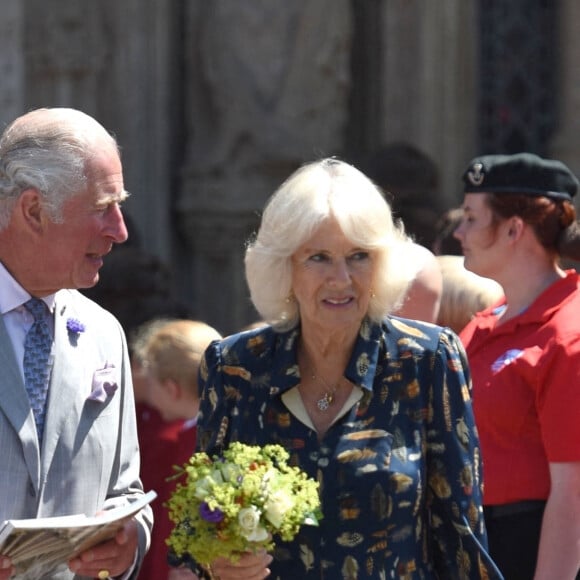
{"type": "Point", "coordinates": [524, 354]}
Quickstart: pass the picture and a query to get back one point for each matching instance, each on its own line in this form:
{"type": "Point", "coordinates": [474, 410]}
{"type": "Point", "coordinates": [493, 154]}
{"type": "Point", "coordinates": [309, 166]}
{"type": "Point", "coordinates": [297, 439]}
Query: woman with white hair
{"type": "Point", "coordinates": [375, 407]}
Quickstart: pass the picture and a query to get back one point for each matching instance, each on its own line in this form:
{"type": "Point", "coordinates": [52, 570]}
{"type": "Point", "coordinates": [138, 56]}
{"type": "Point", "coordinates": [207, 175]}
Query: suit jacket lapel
{"type": "Point", "coordinates": [65, 380]}
{"type": "Point", "coordinates": [15, 405]}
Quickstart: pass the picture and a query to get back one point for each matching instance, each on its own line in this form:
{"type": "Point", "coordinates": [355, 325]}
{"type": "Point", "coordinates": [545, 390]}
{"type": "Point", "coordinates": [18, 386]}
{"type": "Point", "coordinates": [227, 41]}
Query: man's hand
{"type": "Point", "coordinates": [114, 556]}
{"type": "Point", "coordinates": [6, 568]}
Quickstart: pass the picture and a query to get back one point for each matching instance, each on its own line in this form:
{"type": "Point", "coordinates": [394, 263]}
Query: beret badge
{"type": "Point", "coordinates": [475, 176]}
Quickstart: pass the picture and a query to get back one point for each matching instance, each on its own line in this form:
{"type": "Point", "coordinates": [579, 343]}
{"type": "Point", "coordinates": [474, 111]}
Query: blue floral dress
{"type": "Point", "coordinates": [399, 471]}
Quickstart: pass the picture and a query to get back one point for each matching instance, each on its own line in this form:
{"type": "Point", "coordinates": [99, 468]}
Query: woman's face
{"type": "Point", "coordinates": [480, 239]}
{"type": "Point", "coordinates": [332, 279]}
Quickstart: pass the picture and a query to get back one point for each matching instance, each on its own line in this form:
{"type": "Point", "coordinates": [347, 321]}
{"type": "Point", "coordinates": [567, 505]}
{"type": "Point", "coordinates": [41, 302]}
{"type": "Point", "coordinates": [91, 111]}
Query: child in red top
{"type": "Point", "coordinates": [167, 354]}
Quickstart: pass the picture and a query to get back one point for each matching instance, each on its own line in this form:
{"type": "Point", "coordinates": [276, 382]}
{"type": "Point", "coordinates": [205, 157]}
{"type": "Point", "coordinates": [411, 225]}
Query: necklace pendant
{"type": "Point", "coordinates": [324, 402]}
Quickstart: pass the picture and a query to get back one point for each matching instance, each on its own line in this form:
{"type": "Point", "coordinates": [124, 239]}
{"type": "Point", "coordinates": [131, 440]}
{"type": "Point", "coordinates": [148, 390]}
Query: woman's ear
{"type": "Point", "coordinates": [516, 227]}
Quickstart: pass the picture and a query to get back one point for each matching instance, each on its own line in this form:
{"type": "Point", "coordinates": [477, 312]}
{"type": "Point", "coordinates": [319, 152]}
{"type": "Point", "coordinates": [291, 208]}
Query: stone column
{"type": "Point", "coordinates": [429, 82]}
{"type": "Point", "coordinates": [142, 101]}
{"type": "Point", "coordinates": [566, 143]}
{"type": "Point", "coordinates": [268, 84]}
{"type": "Point", "coordinates": [66, 47]}
{"type": "Point", "coordinates": [11, 61]}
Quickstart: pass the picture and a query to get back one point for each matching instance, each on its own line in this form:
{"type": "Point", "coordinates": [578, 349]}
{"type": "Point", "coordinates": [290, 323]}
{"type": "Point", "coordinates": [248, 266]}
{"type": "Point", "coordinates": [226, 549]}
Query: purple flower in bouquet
{"type": "Point", "coordinates": [209, 515]}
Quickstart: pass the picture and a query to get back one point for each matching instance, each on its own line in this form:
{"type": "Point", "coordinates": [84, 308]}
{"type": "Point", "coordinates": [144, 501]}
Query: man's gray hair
{"type": "Point", "coordinates": [46, 150]}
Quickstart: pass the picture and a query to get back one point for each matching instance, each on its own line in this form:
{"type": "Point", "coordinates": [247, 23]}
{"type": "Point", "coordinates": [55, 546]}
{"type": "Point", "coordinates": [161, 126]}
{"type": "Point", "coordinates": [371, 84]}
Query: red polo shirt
{"type": "Point", "coordinates": [526, 391]}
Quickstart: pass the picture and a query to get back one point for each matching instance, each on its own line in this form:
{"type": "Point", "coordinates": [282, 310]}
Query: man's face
{"type": "Point", "coordinates": [92, 222]}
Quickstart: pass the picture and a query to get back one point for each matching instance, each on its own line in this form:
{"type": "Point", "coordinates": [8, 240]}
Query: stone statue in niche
{"type": "Point", "coordinates": [67, 47]}
{"type": "Point", "coordinates": [269, 89]}
{"type": "Point", "coordinates": [268, 86]}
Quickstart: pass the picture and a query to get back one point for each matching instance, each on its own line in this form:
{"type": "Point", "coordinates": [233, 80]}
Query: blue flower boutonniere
{"type": "Point", "coordinates": [74, 327]}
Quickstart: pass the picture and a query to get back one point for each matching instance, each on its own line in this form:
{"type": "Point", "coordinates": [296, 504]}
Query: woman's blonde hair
{"type": "Point", "coordinates": [325, 189]}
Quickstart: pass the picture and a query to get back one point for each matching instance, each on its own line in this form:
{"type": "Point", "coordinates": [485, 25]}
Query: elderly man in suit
{"type": "Point", "coordinates": [73, 447]}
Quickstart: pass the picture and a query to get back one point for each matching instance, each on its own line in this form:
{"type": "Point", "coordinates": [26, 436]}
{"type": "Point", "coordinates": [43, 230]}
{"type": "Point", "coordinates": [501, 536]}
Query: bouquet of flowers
{"type": "Point", "coordinates": [238, 501]}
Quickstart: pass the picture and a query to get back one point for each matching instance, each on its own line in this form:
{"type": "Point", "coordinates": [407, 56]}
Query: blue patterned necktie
{"type": "Point", "coordinates": [37, 348]}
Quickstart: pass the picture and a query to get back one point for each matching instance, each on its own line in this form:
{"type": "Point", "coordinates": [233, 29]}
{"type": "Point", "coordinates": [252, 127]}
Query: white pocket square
{"type": "Point", "coordinates": [104, 384]}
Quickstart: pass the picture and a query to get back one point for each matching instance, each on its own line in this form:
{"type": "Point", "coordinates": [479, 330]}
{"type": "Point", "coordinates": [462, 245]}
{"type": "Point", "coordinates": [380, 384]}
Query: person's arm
{"type": "Point", "coordinates": [558, 375]}
{"type": "Point", "coordinates": [559, 551]}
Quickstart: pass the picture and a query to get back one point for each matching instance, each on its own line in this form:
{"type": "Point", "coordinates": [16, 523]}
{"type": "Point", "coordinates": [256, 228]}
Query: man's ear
{"type": "Point", "coordinates": [31, 210]}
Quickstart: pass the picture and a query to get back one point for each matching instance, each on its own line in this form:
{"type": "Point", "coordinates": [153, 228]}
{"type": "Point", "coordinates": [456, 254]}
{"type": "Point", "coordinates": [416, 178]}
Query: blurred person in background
{"type": "Point", "coordinates": [166, 357]}
{"type": "Point", "coordinates": [409, 181]}
{"type": "Point", "coordinates": [422, 300]}
{"type": "Point", "coordinates": [445, 243]}
{"type": "Point", "coordinates": [170, 358]}
{"type": "Point", "coordinates": [464, 293]}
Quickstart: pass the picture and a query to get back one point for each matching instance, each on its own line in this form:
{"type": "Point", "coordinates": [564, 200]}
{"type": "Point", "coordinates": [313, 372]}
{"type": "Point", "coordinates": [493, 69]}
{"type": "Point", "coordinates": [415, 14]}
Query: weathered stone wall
{"type": "Point", "coordinates": [267, 89]}
{"type": "Point", "coordinates": [216, 102]}
{"type": "Point", "coordinates": [429, 82]}
{"type": "Point", "coordinates": [11, 61]}
{"type": "Point", "coordinates": [566, 143]}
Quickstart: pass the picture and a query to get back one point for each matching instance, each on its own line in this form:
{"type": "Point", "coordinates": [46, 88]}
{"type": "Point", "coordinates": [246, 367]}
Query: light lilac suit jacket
{"type": "Point", "coordinates": [90, 457]}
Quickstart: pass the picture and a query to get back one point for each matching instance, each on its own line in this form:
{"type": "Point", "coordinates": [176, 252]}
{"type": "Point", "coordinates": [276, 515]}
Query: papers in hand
{"type": "Point", "coordinates": [38, 547]}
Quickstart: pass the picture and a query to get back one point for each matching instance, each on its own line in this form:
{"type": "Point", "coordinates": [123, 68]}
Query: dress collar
{"type": "Point", "coordinates": [360, 369]}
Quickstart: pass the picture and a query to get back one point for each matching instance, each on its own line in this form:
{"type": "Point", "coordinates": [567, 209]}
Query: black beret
{"type": "Point", "coordinates": [520, 173]}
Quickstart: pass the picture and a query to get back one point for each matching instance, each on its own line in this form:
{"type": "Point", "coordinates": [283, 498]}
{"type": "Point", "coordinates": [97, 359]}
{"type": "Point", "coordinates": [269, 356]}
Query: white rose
{"type": "Point", "coordinates": [276, 506]}
{"type": "Point", "coordinates": [249, 520]}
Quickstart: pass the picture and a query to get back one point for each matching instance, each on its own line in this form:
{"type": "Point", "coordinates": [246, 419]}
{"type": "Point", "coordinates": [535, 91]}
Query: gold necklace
{"type": "Point", "coordinates": [324, 403]}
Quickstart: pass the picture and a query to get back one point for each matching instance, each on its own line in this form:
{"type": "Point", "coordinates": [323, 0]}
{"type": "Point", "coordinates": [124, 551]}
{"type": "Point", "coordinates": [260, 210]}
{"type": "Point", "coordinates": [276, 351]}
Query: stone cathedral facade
{"type": "Point", "coordinates": [215, 102]}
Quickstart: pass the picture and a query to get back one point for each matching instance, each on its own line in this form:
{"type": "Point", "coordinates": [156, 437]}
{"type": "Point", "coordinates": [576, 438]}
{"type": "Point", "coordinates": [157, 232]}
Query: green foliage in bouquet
{"type": "Point", "coordinates": [237, 502]}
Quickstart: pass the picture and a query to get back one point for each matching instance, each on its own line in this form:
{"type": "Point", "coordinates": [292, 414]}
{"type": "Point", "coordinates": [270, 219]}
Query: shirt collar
{"type": "Point", "coordinates": [14, 295]}
{"type": "Point", "coordinates": [539, 311]}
